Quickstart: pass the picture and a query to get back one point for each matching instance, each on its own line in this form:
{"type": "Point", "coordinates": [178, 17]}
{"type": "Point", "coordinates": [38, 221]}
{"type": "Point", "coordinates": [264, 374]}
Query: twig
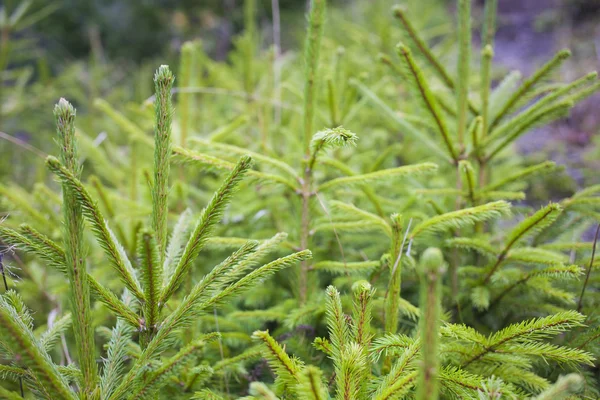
{"type": "Point", "coordinates": [589, 270]}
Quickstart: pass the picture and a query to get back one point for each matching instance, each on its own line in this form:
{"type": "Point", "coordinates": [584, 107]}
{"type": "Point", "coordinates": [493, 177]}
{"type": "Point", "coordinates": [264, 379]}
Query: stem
{"type": "Point", "coordinates": [589, 270]}
{"type": "Point", "coordinates": [486, 66]}
{"type": "Point", "coordinates": [432, 264]}
{"type": "Point", "coordinates": [392, 295]}
{"type": "Point", "coordinates": [312, 49]}
{"type": "Point", "coordinates": [74, 252]}
{"type": "Point", "coordinates": [464, 59]}
{"type": "Point", "coordinates": [163, 108]}
{"type": "Point", "coordinates": [509, 245]}
{"type": "Point", "coordinates": [304, 234]}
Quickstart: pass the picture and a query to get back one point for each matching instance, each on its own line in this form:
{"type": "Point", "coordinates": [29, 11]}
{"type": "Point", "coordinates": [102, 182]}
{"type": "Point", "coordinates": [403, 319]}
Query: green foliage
{"type": "Point", "coordinates": [151, 260]}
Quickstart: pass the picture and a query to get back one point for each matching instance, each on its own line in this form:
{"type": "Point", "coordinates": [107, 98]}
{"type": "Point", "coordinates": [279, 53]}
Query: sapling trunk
{"type": "Point", "coordinates": [464, 60]}
{"type": "Point", "coordinates": [431, 268]}
{"type": "Point", "coordinates": [163, 82]}
{"type": "Point", "coordinates": [312, 49]}
{"type": "Point", "coordinates": [392, 298]}
{"type": "Point", "coordinates": [75, 255]}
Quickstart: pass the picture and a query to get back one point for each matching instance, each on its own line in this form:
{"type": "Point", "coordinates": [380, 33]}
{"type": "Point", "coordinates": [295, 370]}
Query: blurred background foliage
{"type": "Point", "coordinates": [107, 49]}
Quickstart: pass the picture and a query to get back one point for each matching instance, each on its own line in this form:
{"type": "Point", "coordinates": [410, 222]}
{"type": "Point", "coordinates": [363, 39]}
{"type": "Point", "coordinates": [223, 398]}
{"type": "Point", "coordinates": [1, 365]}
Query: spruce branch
{"type": "Point", "coordinates": [114, 363]}
{"type": "Point", "coordinates": [407, 128]}
{"type": "Point", "coordinates": [343, 268]}
{"type": "Point", "coordinates": [401, 377]}
{"type": "Point", "coordinates": [176, 244]}
{"type": "Point", "coordinates": [204, 227]}
{"type": "Point", "coordinates": [310, 385]}
{"type": "Point", "coordinates": [144, 386]}
{"type": "Point", "coordinates": [527, 332]}
{"type": "Point", "coordinates": [479, 246]}
{"type": "Point", "coordinates": [530, 226]}
{"type": "Point", "coordinates": [259, 390]}
{"type": "Point", "coordinates": [422, 92]}
{"type": "Point", "coordinates": [534, 170]}
{"type": "Point", "coordinates": [34, 242]}
{"type": "Point", "coordinates": [50, 336]}
{"type": "Point", "coordinates": [350, 211]}
{"type": "Point", "coordinates": [330, 138]}
{"type": "Point", "coordinates": [163, 110]}
{"type": "Point", "coordinates": [412, 37]}
{"type": "Point", "coordinates": [286, 368]}
{"type": "Point", "coordinates": [529, 84]}
{"type": "Point", "coordinates": [260, 158]}
{"type": "Point", "coordinates": [106, 238]}
{"type": "Point", "coordinates": [202, 298]}
{"type": "Point", "coordinates": [40, 245]}
{"type": "Point", "coordinates": [461, 218]}
{"type": "Point", "coordinates": [563, 388]}
{"type": "Point", "coordinates": [361, 313]}
{"type": "Point", "coordinates": [9, 394]}
{"type": "Point", "coordinates": [339, 331]}
{"type": "Point", "coordinates": [211, 162]}
{"type": "Point", "coordinates": [151, 274]}
{"type": "Point", "coordinates": [21, 341]}
{"type": "Point", "coordinates": [560, 271]}
{"type": "Point", "coordinates": [75, 256]}
{"type": "Point", "coordinates": [384, 175]}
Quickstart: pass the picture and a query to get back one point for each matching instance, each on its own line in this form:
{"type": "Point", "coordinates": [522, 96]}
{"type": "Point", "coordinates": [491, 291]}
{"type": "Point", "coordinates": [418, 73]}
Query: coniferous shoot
{"type": "Point", "coordinates": [163, 109]}
{"type": "Point", "coordinates": [75, 257]}
{"type": "Point", "coordinates": [392, 297]}
{"type": "Point", "coordinates": [464, 61]}
{"type": "Point", "coordinates": [312, 49]}
{"type": "Point", "coordinates": [431, 270]}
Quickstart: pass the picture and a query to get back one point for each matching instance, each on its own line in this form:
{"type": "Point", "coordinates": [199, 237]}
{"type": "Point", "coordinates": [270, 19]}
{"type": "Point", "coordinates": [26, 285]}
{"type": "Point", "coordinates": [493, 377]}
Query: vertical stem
{"type": "Point", "coordinates": [64, 114]}
{"type": "Point", "coordinates": [312, 49]}
{"type": "Point", "coordinates": [464, 60]}
{"type": "Point", "coordinates": [487, 55]}
{"type": "Point", "coordinates": [487, 41]}
{"type": "Point", "coordinates": [432, 265]}
{"type": "Point", "coordinates": [392, 296]}
{"type": "Point", "coordinates": [316, 19]}
{"type": "Point", "coordinates": [589, 270]}
{"type": "Point", "coordinates": [304, 234]}
{"type": "Point", "coordinates": [163, 82]}
{"type": "Point", "coordinates": [489, 24]}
